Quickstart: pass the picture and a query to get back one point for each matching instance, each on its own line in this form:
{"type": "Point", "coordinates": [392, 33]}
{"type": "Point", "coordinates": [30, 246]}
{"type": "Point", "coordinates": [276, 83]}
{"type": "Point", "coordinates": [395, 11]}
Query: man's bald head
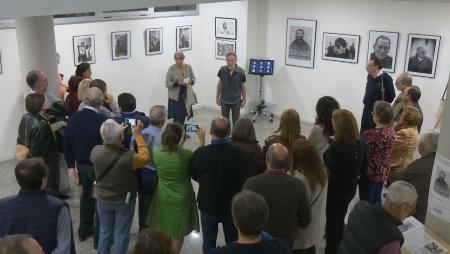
{"type": "Point", "coordinates": [403, 81]}
{"type": "Point", "coordinates": [277, 157]}
{"type": "Point", "coordinates": [22, 244]}
{"type": "Point", "coordinates": [37, 81]}
{"type": "Point", "coordinates": [220, 128]}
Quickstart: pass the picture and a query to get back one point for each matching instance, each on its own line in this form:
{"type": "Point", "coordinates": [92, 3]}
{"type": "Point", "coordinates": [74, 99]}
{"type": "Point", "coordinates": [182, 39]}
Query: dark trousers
{"type": "Point", "coordinates": [370, 191]}
{"type": "Point", "coordinates": [147, 182]}
{"type": "Point", "coordinates": [367, 120]}
{"type": "Point", "coordinates": [335, 211]}
{"type": "Point", "coordinates": [310, 250]}
{"type": "Point", "coordinates": [210, 229]}
{"type": "Point", "coordinates": [53, 176]}
{"type": "Point", "coordinates": [87, 202]}
{"type": "Point", "coordinates": [235, 111]}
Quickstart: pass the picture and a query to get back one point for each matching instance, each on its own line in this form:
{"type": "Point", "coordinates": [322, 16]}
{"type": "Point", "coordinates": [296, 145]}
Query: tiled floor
{"type": "Point", "coordinates": [192, 244]}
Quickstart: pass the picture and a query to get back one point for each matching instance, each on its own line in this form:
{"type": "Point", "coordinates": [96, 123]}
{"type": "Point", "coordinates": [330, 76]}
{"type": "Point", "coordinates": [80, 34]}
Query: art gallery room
{"type": "Point", "coordinates": [215, 126]}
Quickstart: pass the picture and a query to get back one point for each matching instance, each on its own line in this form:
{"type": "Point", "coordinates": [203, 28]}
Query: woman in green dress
{"type": "Point", "coordinates": [173, 210]}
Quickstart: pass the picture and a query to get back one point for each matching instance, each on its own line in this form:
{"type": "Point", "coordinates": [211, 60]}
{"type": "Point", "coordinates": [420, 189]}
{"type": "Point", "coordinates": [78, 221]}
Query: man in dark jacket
{"type": "Point", "coordinates": [34, 212]}
{"type": "Point", "coordinates": [374, 229]}
{"type": "Point", "coordinates": [83, 134]}
{"type": "Point", "coordinates": [379, 86]}
{"type": "Point", "coordinates": [286, 196]}
{"type": "Point", "coordinates": [418, 173]}
{"type": "Point", "coordinates": [220, 169]}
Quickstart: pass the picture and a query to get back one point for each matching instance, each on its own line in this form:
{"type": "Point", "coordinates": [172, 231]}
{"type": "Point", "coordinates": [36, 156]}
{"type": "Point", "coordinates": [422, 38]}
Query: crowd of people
{"type": "Point", "coordinates": [284, 197]}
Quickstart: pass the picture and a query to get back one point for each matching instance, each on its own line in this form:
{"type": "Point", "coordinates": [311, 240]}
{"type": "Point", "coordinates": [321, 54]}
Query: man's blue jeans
{"type": "Point", "coordinates": [115, 223]}
{"type": "Point", "coordinates": [210, 229]}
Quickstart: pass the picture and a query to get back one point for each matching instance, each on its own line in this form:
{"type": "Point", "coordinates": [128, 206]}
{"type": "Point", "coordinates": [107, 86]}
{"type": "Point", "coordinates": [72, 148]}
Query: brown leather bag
{"type": "Point", "coordinates": [22, 151]}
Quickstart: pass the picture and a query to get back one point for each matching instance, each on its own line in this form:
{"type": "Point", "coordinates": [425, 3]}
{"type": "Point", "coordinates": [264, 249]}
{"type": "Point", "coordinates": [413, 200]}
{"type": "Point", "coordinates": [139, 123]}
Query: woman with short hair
{"type": "Point", "coordinates": [346, 160]}
{"type": "Point", "coordinates": [173, 209]}
{"type": "Point", "coordinates": [288, 132]}
{"type": "Point", "coordinates": [307, 166]}
{"type": "Point", "coordinates": [243, 135]}
{"type": "Point", "coordinates": [179, 81]}
{"type": "Point", "coordinates": [379, 142]}
{"type": "Point", "coordinates": [406, 138]}
{"type": "Point", "coordinates": [37, 135]}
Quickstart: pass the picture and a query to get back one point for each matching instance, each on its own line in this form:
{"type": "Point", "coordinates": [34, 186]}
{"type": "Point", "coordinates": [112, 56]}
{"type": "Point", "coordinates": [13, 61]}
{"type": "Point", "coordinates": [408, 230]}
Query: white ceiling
{"type": "Point", "coordinates": [27, 8]}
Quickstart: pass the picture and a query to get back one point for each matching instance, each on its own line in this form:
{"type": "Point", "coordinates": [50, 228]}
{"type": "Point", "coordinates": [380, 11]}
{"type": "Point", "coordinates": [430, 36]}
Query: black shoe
{"type": "Point", "coordinates": [95, 245]}
{"type": "Point", "coordinates": [85, 234]}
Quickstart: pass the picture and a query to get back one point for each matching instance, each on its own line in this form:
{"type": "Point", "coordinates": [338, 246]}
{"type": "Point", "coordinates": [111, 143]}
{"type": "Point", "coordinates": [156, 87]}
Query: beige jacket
{"type": "Point", "coordinates": [405, 143]}
{"type": "Point", "coordinates": [174, 75]}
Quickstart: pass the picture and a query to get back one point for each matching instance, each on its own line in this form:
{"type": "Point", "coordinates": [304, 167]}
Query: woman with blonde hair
{"type": "Point", "coordinates": [307, 166]}
{"type": "Point", "coordinates": [406, 138]}
{"type": "Point", "coordinates": [346, 160]}
{"type": "Point", "coordinates": [82, 87]}
{"type": "Point", "coordinates": [288, 132]}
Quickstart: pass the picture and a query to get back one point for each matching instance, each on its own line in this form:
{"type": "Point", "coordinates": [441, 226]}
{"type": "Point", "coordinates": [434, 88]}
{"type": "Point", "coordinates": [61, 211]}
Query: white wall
{"type": "Point", "coordinates": [300, 88]}
{"type": "Point", "coordinates": [11, 96]}
{"type": "Point", "coordinates": [140, 75]}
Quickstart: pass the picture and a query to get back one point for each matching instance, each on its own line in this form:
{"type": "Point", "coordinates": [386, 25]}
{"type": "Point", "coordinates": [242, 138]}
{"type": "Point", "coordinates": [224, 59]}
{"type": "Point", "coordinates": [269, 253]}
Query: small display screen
{"type": "Point", "coordinates": [130, 121]}
{"type": "Point", "coordinates": [261, 67]}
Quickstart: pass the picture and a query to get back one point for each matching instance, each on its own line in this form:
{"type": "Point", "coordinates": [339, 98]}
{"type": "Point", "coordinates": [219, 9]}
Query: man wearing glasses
{"type": "Point", "coordinates": [379, 86]}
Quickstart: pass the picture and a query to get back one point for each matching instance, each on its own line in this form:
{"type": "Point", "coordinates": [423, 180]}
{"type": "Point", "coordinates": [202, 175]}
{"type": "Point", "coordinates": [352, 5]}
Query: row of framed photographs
{"type": "Point", "coordinates": [84, 45]}
{"type": "Point", "coordinates": [421, 54]}
{"type": "Point", "coordinates": [226, 35]}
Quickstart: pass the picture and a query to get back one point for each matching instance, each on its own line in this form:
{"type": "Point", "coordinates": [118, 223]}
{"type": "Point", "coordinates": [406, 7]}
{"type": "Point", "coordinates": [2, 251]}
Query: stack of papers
{"type": "Point", "coordinates": [417, 241]}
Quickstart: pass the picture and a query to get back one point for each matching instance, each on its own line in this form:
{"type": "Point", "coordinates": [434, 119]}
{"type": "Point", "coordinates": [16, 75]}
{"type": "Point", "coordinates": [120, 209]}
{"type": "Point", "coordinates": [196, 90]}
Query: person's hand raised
{"type": "Point", "coordinates": [201, 136]}
{"type": "Point", "coordinates": [137, 129]}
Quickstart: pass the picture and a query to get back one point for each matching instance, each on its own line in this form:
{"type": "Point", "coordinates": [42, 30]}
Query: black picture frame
{"type": "Point", "coordinates": [390, 35]}
{"type": "Point", "coordinates": [178, 40]}
{"type": "Point", "coordinates": [114, 54]}
{"type": "Point", "coordinates": [91, 56]}
{"type": "Point", "coordinates": [149, 52]}
{"type": "Point", "coordinates": [343, 59]}
{"type": "Point", "coordinates": [422, 72]}
{"type": "Point", "coordinates": [222, 55]}
{"type": "Point", "coordinates": [306, 23]}
{"type": "Point", "coordinates": [223, 35]}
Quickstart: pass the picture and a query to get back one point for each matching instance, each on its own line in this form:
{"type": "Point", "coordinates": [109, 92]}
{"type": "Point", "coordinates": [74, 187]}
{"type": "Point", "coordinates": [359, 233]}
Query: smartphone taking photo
{"type": "Point", "coordinates": [190, 127]}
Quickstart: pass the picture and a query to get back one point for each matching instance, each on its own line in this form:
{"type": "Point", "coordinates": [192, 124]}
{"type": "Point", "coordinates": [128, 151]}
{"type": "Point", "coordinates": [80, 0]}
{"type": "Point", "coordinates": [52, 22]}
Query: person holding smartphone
{"type": "Point", "coordinates": [173, 210]}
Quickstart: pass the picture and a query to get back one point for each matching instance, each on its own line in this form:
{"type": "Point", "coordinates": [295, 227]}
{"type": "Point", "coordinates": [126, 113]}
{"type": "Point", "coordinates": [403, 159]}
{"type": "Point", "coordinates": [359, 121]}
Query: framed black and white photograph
{"type": "Point", "coordinates": [184, 38]}
{"type": "Point", "coordinates": [383, 45]}
{"type": "Point", "coordinates": [84, 49]}
{"type": "Point", "coordinates": [300, 42]}
{"type": "Point", "coordinates": [340, 47]}
{"type": "Point", "coordinates": [121, 45]}
{"type": "Point", "coordinates": [153, 41]}
{"type": "Point", "coordinates": [223, 47]}
{"type": "Point", "coordinates": [422, 55]}
{"type": "Point", "coordinates": [226, 28]}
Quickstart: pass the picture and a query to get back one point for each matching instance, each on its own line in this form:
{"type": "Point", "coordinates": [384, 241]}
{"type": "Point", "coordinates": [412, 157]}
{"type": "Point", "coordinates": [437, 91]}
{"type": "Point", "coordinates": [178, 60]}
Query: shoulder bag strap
{"type": "Point", "coordinates": [109, 168]}
{"type": "Point", "coordinates": [317, 197]}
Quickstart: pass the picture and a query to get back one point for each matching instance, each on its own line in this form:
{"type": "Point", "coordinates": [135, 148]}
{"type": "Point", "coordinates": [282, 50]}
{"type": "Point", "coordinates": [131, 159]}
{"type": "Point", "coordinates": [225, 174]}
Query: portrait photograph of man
{"type": "Point", "coordinates": [299, 47]}
{"type": "Point", "coordinates": [300, 42]}
{"type": "Point", "coordinates": [383, 45]}
{"type": "Point", "coordinates": [422, 55]}
{"type": "Point", "coordinates": [340, 47]}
